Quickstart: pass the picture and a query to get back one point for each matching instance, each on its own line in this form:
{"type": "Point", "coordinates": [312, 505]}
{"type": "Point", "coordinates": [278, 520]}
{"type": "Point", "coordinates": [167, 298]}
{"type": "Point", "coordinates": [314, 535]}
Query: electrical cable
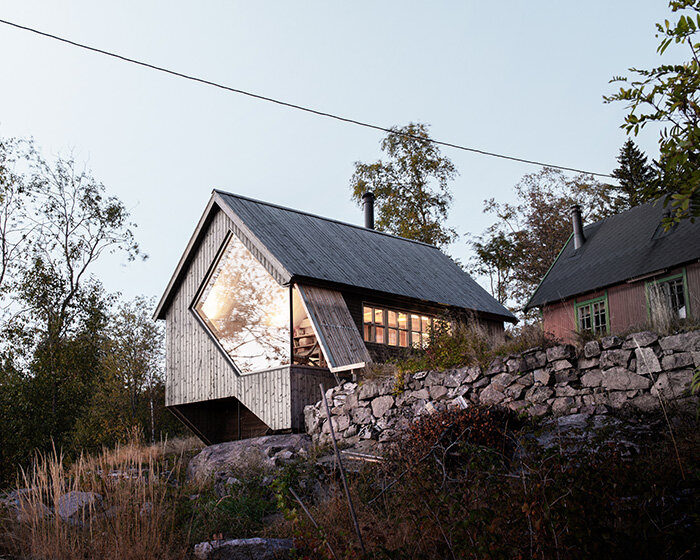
{"type": "Point", "coordinates": [294, 106]}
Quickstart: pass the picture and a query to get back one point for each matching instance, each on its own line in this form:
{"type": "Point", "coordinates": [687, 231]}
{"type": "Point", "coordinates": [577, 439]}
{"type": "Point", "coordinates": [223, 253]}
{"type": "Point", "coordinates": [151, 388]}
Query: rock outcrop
{"type": "Point", "coordinates": [244, 549]}
{"type": "Point", "coordinates": [267, 450]}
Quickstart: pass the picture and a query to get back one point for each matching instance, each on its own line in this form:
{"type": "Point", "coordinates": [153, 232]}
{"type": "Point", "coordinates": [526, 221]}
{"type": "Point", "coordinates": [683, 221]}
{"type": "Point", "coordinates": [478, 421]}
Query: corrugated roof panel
{"type": "Point", "coordinates": [315, 247]}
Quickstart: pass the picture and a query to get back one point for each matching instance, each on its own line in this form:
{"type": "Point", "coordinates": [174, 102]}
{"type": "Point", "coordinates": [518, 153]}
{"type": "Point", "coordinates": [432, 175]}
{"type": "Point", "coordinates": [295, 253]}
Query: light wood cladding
{"type": "Point", "coordinates": [335, 329]}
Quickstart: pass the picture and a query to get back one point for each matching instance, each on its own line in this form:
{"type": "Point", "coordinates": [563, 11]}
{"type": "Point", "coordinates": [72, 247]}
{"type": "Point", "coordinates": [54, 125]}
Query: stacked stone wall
{"type": "Point", "coordinates": [637, 371]}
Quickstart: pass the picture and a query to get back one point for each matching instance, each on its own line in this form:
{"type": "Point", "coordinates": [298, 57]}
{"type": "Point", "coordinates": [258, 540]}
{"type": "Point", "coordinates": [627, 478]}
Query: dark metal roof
{"type": "Point", "coordinates": [616, 249]}
{"type": "Point", "coordinates": [313, 247]}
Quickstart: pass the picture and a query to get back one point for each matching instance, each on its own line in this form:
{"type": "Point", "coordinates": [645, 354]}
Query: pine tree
{"type": "Point", "coordinates": [635, 175]}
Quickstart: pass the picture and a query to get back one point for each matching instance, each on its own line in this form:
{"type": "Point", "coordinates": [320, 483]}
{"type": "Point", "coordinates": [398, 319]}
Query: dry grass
{"type": "Point", "coordinates": [134, 519]}
{"type": "Point", "coordinates": [470, 500]}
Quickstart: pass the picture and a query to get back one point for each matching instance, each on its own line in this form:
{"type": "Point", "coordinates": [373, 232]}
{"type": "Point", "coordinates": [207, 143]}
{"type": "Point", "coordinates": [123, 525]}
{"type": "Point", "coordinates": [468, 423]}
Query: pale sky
{"type": "Point", "coordinates": [520, 78]}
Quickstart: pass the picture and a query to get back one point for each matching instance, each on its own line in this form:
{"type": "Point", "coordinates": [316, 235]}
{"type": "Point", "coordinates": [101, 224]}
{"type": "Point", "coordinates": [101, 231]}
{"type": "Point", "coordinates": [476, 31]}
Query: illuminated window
{"type": "Point", "coordinates": [246, 310]}
{"type": "Point", "coordinates": [396, 328]}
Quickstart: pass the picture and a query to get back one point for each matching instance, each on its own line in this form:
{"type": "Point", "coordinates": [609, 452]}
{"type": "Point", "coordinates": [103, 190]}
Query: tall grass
{"type": "Point", "coordinates": [662, 317]}
{"type": "Point", "coordinates": [134, 516]}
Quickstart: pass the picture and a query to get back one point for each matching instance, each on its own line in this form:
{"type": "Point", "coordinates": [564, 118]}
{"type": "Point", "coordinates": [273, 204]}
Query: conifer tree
{"type": "Point", "coordinates": [635, 175]}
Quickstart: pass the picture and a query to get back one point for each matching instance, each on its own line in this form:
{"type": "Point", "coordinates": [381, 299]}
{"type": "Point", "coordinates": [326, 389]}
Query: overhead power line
{"type": "Point", "coordinates": [294, 106]}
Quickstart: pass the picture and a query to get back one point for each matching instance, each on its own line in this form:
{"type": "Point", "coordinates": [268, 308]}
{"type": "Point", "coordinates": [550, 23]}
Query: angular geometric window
{"type": "Point", "coordinates": [246, 310]}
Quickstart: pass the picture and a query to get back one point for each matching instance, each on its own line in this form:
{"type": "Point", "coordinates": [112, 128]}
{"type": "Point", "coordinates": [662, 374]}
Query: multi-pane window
{"type": "Point", "coordinates": [668, 293]}
{"type": "Point", "coordinates": [592, 316]}
{"type": "Point", "coordinates": [396, 328]}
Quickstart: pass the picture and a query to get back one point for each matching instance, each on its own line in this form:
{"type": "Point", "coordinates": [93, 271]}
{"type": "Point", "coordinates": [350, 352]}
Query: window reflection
{"type": "Point", "coordinates": [398, 328]}
{"type": "Point", "coordinates": [246, 310]}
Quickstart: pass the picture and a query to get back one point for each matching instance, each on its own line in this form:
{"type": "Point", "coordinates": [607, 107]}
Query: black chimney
{"type": "Point", "coordinates": [577, 222]}
{"type": "Point", "coordinates": [368, 206]}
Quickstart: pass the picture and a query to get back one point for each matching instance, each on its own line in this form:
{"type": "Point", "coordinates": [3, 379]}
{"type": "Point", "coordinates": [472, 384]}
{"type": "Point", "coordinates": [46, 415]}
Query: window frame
{"type": "Point", "coordinates": [682, 275]}
{"type": "Point", "coordinates": [589, 303]}
{"type": "Point", "coordinates": [423, 335]}
{"type": "Point", "coordinates": [221, 251]}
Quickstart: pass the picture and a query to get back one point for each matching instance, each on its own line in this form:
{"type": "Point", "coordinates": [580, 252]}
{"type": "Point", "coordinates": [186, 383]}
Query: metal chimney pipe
{"type": "Point", "coordinates": [577, 223]}
{"type": "Point", "coordinates": [368, 207]}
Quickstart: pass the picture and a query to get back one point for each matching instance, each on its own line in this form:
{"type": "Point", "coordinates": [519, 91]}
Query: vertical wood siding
{"type": "Point", "coordinates": [342, 345]}
{"type": "Point", "coordinates": [559, 320]}
{"type": "Point", "coordinates": [305, 390]}
{"type": "Point", "coordinates": [692, 272]}
{"type": "Point", "coordinates": [628, 306]}
{"type": "Point", "coordinates": [196, 370]}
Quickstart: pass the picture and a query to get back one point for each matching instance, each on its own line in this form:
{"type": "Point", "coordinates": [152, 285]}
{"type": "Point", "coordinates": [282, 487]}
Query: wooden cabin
{"type": "Point", "coordinates": [621, 274]}
{"type": "Point", "coordinates": [267, 302]}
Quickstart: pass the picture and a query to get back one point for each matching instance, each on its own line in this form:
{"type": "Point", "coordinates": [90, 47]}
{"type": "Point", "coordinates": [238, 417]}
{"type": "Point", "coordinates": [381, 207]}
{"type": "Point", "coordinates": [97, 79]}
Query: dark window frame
{"type": "Point", "coordinates": [370, 329]}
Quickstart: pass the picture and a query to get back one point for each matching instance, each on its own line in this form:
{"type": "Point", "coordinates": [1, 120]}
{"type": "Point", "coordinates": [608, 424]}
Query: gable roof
{"type": "Point", "coordinates": [618, 248]}
{"type": "Point", "coordinates": [298, 245]}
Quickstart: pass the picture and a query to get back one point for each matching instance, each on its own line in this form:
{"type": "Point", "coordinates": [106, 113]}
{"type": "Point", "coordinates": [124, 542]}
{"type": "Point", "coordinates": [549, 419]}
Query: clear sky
{"type": "Point", "coordinates": [521, 78]}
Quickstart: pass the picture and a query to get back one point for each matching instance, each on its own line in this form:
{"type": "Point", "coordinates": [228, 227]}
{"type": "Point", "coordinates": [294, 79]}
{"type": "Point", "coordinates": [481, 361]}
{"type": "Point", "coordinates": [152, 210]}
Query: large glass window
{"type": "Point", "coordinates": [246, 310]}
{"type": "Point", "coordinates": [592, 316]}
{"type": "Point", "coordinates": [396, 328]}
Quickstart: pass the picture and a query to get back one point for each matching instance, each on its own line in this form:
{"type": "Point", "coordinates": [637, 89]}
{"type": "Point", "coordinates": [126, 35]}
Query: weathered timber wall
{"type": "Point", "coordinates": [196, 370]}
{"type": "Point", "coordinates": [627, 305]}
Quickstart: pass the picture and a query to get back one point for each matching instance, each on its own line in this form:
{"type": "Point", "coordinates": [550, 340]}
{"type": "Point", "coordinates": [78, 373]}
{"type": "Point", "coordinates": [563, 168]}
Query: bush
{"type": "Point", "coordinates": [443, 494]}
{"type": "Point", "coordinates": [453, 427]}
{"type": "Point", "coordinates": [450, 346]}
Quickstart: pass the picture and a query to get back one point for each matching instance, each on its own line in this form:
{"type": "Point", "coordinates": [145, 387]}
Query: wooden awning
{"type": "Point", "coordinates": [340, 341]}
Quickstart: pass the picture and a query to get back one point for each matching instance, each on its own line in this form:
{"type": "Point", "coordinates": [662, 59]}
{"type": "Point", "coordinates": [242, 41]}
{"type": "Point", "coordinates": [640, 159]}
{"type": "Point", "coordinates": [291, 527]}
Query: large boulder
{"type": "Point", "coordinates": [591, 349]}
{"type": "Point", "coordinates": [612, 358]}
{"type": "Point", "coordinates": [621, 379]}
{"type": "Point", "coordinates": [266, 450]}
{"type": "Point", "coordinates": [72, 506]}
{"type": "Point", "coordinates": [641, 339]}
{"type": "Point", "coordinates": [493, 394]}
{"type": "Point", "coordinates": [561, 352]}
{"type": "Point", "coordinates": [647, 362]}
{"type": "Point", "coordinates": [381, 405]}
{"type": "Point", "coordinates": [244, 549]}
{"type": "Point", "coordinates": [684, 342]}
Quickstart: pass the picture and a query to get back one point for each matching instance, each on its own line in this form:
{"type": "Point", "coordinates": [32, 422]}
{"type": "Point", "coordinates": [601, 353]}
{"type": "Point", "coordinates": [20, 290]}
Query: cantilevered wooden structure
{"type": "Point", "coordinates": [267, 302]}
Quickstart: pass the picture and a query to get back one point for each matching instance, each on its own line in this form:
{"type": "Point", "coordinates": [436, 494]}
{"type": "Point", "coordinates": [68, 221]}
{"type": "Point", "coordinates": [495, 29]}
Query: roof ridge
{"type": "Point", "coordinates": [258, 201]}
{"type": "Point", "coordinates": [619, 215]}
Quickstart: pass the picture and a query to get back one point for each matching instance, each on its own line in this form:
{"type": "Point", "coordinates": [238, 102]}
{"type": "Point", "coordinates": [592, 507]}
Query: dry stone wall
{"type": "Point", "coordinates": [611, 374]}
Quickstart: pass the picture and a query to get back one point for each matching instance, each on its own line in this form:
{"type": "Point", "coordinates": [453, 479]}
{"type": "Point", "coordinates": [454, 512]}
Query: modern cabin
{"type": "Point", "coordinates": [621, 273]}
{"type": "Point", "coordinates": [267, 303]}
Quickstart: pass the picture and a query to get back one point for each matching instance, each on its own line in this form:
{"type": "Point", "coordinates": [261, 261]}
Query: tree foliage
{"type": "Point", "coordinates": [518, 249]}
{"type": "Point", "coordinates": [668, 96]}
{"type": "Point", "coordinates": [130, 393]}
{"type": "Point", "coordinates": [411, 187]}
{"type": "Point", "coordinates": [635, 175]}
{"type": "Point", "coordinates": [62, 346]}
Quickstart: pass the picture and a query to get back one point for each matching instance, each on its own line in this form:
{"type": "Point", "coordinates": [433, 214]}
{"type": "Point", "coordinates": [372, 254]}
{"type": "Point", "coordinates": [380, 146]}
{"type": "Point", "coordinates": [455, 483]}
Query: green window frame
{"type": "Point", "coordinates": [673, 293]}
{"type": "Point", "coordinates": [593, 315]}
